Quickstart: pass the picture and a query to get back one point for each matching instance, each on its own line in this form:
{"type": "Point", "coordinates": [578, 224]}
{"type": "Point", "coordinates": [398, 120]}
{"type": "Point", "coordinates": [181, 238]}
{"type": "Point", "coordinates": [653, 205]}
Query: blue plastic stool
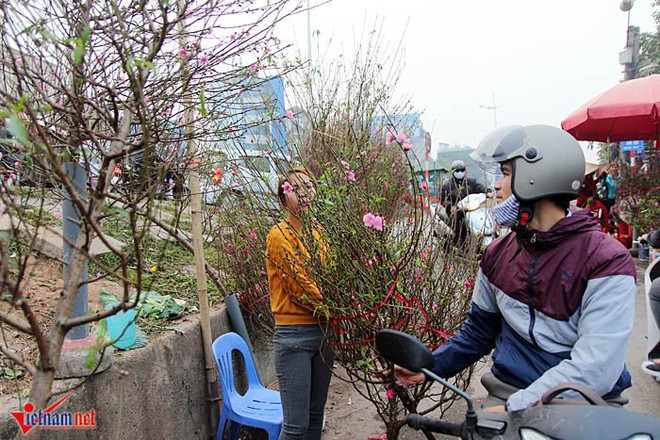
{"type": "Point", "coordinates": [258, 407]}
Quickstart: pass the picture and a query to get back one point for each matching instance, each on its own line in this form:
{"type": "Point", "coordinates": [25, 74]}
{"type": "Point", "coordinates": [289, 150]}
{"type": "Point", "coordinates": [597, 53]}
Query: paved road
{"type": "Point", "coordinates": [645, 393]}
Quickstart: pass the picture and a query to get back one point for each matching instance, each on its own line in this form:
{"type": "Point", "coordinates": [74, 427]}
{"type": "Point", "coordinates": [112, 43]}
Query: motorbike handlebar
{"type": "Point", "coordinates": [434, 425]}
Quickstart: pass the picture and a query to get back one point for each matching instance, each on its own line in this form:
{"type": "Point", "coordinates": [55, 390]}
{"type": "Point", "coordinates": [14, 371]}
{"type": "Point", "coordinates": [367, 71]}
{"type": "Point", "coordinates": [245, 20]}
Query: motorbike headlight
{"type": "Point", "coordinates": [532, 434]}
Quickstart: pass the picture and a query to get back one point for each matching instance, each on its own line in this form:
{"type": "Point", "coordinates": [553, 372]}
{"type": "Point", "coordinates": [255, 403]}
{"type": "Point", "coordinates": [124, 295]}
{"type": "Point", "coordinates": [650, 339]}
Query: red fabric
{"type": "Point", "coordinates": [599, 211]}
{"type": "Point", "coordinates": [624, 233]}
{"type": "Point", "coordinates": [628, 111]}
{"type": "Point", "coordinates": [588, 190]}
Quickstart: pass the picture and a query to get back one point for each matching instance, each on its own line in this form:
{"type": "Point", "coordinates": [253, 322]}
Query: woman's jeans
{"type": "Point", "coordinates": [303, 360]}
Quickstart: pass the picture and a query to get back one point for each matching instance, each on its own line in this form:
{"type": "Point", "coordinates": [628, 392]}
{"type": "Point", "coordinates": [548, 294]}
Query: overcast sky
{"type": "Point", "coordinates": [541, 58]}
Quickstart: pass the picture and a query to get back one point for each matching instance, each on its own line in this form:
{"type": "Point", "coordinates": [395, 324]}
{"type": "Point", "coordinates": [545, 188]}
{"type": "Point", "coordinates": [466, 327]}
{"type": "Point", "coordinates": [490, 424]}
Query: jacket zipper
{"type": "Point", "coordinates": [530, 299]}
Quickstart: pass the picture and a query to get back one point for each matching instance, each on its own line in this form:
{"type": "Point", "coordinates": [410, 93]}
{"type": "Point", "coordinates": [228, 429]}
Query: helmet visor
{"type": "Point", "coordinates": [499, 146]}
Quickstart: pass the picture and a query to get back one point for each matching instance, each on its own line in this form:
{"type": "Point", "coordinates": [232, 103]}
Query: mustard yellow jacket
{"type": "Point", "coordinates": [294, 297]}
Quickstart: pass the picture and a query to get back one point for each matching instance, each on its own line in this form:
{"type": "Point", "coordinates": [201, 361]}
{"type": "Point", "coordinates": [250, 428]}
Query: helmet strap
{"type": "Point", "coordinates": [525, 215]}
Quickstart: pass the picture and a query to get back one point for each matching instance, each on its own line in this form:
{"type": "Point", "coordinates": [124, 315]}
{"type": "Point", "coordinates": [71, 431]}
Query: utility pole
{"type": "Point", "coordinates": [629, 57]}
{"type": "Point", "coordinates": [493, 108]}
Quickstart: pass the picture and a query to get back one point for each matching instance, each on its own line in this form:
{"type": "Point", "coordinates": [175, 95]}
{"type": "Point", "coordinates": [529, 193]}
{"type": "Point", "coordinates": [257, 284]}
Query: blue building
{"type": "Point", "coordinates": [261, 112]}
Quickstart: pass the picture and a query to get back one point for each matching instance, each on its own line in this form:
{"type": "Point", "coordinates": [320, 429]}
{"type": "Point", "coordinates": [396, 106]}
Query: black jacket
{"type": "Point", "coordinates": [454, 191]}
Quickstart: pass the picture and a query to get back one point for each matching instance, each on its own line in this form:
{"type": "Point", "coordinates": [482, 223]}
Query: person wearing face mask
{"type": "Point", "coordinates": [457, 187]}
{"type": "Point", "coordinates": [555, 297]}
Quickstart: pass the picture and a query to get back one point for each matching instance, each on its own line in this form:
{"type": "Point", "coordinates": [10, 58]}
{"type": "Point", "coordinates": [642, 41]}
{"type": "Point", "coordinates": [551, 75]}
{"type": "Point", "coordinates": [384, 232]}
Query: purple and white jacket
{"type": "Point", "coordinates": [561, 310]}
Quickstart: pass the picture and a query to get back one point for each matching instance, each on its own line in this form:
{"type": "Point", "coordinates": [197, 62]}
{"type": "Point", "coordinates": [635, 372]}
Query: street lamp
{"type": "Point", "coordinates": [626, 5]}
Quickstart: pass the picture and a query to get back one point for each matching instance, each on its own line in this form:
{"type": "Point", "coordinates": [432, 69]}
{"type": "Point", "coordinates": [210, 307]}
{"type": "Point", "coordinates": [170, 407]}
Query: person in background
{"type": "Point", "coordinates": [555, 297]}
{"type": "Point", "coordinates": [303, 357]}
{"type": "Point", "coordinates": [611, 183]}
{"type": "Point", "coordinates": [457, 187]}
{"type": "Point", "coordinates": [601, 187]}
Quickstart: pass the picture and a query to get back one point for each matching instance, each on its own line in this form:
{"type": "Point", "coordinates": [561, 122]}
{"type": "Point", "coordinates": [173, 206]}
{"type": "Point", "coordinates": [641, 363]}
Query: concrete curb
{"type": "Point", "coordinates": [158, 391]}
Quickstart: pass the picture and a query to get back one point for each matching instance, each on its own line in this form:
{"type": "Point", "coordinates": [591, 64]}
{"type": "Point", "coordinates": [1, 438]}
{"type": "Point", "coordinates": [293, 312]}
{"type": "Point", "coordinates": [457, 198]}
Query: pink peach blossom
{"type": "Point", "coordinates": [406, 146]}
{"type": "Point", "coordinates": [204, 59]}
{"type": "Point", "coordinates": [401, 138]}
{"type": "Point", "coordinates": [289, 115]}
{"type": "Point", "coordinates": [287, 188]}
{"type": "Point", "coordinates": [253, 67]}
{"type": "Point", "coordinates": [351, 176]}
{"type": "Point", "coordinates": [373, 221]}
{"type": "Point", "coordinates": [183, 53]}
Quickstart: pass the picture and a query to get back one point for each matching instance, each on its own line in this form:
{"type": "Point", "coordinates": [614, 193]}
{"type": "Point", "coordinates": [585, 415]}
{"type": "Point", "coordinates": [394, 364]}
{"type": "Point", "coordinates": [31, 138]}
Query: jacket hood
{"type": "Point", "coordinates": [579, 221]}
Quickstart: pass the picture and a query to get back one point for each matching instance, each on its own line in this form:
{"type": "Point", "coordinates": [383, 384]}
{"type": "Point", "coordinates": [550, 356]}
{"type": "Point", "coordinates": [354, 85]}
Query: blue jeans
{"type": "Point", "coordinates": [303, 361]}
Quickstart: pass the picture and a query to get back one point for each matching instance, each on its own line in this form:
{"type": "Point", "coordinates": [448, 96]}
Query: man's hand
{"type": "Point", "coordinates": [407, 377]}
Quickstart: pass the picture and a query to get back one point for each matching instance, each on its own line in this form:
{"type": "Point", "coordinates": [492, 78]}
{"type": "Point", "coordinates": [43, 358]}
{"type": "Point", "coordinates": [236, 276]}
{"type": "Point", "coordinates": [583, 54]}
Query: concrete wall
{"type": "Point", "coordinates": [155, 392]}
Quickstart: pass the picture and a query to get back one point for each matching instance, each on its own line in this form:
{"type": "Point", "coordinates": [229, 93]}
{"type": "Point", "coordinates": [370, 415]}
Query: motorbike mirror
{"type": "Point", "coordinates": [472, 202]}
{"type": "Point", "coordinates": [404, 350]}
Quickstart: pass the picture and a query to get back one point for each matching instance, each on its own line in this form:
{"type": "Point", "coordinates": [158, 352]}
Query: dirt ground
{"type": "Point", "coordinates": [43, 287]}
{"type": "Point", "coordinates": [351, 416]}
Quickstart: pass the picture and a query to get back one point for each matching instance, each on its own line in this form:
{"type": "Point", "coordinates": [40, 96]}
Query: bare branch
{"type": "Point", "coordinates": [17, 359]}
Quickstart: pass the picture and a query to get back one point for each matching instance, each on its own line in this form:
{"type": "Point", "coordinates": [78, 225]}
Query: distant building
{"type": "Point", "coordinates": [257, 113]}
{"type": "Point", "coordinates": [263, 107]}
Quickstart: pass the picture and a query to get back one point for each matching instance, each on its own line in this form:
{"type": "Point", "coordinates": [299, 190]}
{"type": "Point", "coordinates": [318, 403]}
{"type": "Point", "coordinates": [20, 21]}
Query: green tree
{"type": "Point", "coordinates": [383, 267]}
{"type": "Point", "coordinates": [111, 84]}
{"type": "Point", "coordinates": [650, 43]}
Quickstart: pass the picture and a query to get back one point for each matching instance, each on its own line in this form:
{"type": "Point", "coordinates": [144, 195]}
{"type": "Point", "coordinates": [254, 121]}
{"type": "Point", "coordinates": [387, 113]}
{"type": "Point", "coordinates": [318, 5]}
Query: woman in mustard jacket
{"type": "Point", "coordinates": [303, 358]}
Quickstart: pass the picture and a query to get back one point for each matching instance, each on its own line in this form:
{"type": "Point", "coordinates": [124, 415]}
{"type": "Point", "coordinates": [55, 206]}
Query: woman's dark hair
{"type": "Point", "coordinates": [285, 178]}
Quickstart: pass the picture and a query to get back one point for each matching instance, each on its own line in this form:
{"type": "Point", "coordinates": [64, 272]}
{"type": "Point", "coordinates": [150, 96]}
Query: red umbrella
{"type": "Point", "coordinates": [627, 111]}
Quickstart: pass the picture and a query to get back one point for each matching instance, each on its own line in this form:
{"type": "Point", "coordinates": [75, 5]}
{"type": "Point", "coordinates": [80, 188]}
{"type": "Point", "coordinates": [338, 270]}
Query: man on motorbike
{"type": "Point", "coordinates": [454, 190]}
{"type": "Point", "coordinates": [555, 296]}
